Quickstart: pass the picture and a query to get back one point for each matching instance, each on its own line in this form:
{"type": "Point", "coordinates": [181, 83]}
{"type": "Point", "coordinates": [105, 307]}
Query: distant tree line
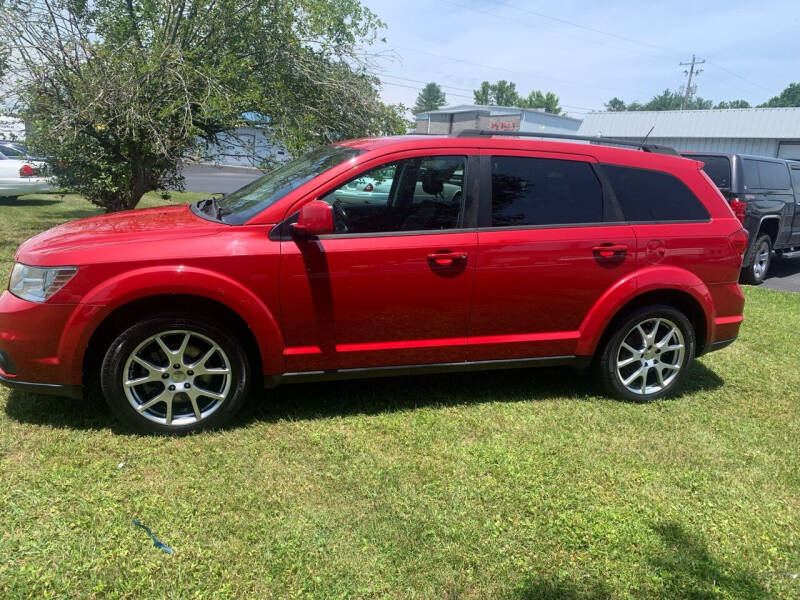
{"type": "Point", "coordinates": [673, 100]}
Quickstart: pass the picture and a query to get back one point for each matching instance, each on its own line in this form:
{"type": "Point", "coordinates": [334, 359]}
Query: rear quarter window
{"type": "Point", "coordinates": [653, 196]}
{"type": "Point", "coordinates": [718, 168]}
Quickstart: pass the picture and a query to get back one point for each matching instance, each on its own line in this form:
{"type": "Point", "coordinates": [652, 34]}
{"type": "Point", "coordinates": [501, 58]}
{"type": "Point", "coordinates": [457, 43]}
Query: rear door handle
{"type": "Point", "coordinates": [446, 258]}
{"type": "Point", "coordinates": [610, 250]}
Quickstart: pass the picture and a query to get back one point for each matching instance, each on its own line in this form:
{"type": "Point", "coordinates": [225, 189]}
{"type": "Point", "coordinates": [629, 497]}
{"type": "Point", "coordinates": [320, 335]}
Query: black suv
{"type": "Point", "coordinates": [764, 193]}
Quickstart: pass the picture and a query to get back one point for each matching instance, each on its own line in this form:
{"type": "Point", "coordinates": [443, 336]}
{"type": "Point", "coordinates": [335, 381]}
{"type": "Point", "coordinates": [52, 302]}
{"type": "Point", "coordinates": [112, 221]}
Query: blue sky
{"type": "Point", "coordinates": [752, 48]}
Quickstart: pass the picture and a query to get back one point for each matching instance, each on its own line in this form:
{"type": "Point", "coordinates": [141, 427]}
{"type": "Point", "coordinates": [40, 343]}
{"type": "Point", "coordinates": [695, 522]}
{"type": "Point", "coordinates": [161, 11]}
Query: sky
{"type": "Point", "coordinates": [588, 51]}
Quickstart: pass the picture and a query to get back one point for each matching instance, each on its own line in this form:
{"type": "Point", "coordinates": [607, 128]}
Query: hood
{"type": "Point", "coordinates": [129, 227]}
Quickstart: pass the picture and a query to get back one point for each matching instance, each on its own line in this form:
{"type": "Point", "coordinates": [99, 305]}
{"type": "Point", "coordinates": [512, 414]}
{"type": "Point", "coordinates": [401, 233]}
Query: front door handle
{"type": "Point", "coordinates": [610, 250]}
{"type": "Point", "coordinates": [446, 258]}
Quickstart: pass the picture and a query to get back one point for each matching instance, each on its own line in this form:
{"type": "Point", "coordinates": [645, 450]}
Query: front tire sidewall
{"type": "Point", "coordinates": [608, 357]}
{"type": "Point", "coordinates": [113, 366]}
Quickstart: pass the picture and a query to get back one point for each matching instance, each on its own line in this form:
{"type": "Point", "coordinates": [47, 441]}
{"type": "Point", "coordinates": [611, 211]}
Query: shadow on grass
{"type": "Point", "coordinates": [681, 568]}
{"type": "Point", "coordinates": [360, 397]}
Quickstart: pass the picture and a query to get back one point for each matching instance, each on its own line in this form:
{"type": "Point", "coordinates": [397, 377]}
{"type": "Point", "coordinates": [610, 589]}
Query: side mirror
{"type": "Point", "coordinates": [315, 218]}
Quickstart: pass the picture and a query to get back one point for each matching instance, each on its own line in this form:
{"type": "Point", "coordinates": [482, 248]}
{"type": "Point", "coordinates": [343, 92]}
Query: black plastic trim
{"type": "Point", "coordinates": [271, 381]}
{"type": "Point", "coordinates": [6, 364]}
{"type": "Point", "coordinates": [74, 392]}
{"type": "Point", "coordinates": [719, 345]}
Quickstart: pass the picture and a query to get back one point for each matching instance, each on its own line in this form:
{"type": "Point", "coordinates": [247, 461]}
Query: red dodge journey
{"type": "Point", "coordinates": [384, 256]}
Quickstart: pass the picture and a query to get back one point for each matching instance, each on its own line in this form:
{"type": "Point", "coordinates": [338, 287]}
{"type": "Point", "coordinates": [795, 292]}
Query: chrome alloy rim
{"type": "Point", "coordinates": [762, 259]}
{"type": "Point", "coordinates": [177, 377]}
{"type": "Point", "coordinates": [650, 356]}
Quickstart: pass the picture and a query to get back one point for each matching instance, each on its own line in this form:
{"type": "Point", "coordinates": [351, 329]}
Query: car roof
{"type": "Point", "coordinates": [735, 154]}
{"type": "Point", "coordinates": [601, 152]}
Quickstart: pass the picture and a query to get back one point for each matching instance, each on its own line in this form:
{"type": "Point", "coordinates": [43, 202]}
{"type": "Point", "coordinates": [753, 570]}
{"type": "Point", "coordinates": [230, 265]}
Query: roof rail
{"type": "Point", "coordinates": [655, 148]}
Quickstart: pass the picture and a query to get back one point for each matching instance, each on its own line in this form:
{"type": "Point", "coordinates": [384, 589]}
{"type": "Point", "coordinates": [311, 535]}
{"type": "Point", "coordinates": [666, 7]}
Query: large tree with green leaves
{"type": "Point", "coordinates": [430, 98]}
{"type": "Point", "coordinates": [788, 97]}
{"type": "Point", "coordinates": [547, 101]}
{"type": "Point", "coordinates": [502, 93]}
{"type": "Point", "coordinates": [120, 91]}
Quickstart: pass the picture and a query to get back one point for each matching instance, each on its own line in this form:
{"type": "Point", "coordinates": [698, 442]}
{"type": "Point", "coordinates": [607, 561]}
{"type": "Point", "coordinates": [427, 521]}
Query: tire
{"type": "Point", "coordinates": [762, 258]}
{"type": "Point", "coordinates": [202, 382]}
{"type": "Point", "coordinates": [631, 349]}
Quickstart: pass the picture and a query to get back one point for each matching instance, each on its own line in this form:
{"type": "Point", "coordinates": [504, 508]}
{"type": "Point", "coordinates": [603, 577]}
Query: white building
{"type": "Point", "coordinates": [761, 131]}
{"type": "Point", "coordinates": [494, 118]}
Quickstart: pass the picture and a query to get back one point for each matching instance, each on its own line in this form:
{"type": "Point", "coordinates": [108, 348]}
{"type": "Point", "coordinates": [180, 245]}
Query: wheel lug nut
{"type": "Point", "coordinates": [165, 376]}
{"type": "Point", "coordinates": [190, 373]}
{"type": "Point", "coordinates": [187, 385]}
{"type": "Point", "coordinates": [171, 388]}
{"type": "Point", "coordinates": [176, 366]}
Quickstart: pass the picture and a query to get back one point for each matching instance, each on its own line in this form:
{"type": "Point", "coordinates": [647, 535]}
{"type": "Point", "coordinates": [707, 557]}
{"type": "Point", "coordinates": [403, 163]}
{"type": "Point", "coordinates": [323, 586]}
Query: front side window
{"type": "Point", "coordinates": [245, 203]}
{"type": "Point", "coordinates": [416, 194]}
{"type": "Point", "coordinates": [543, 191]}
{"type": "Point", "coordinates": [647, 196]}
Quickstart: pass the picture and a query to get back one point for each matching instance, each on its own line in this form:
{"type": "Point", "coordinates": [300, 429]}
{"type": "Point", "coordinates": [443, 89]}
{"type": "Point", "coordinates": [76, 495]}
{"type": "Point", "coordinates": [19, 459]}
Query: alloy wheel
{"type": "Point", "coordinates": [177, 377]}
{"type": "Point", "coordinates": [761, 260]}
{"type": "Point", "coordinates": [650, 356]}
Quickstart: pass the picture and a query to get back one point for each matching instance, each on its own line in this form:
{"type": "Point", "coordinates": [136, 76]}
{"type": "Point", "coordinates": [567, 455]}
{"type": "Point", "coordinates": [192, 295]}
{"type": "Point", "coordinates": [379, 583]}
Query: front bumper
{"type": "Point", "coordinates": [38, 344]}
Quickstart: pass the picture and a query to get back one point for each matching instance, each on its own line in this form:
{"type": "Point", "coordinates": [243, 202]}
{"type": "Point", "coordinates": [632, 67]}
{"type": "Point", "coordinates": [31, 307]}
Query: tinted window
{"type": "Point", "coordinates": [765, 175]}
{"type": "Point", "coordinates": [245, 203]}
{"type": "Point", "coordinates": [718, 168]}
{"type": "Point", "coordinates": [418, 194]}
{"type": "Point", "coordinates": [541, 191]}
{"type": "Point", "coordinates": [751, 177]}
{"type": "Point", "coordinates": [796, 183]}
{"type": "Point", "coordinates": [11, 152]}
{"type": "Point", "coordinates": [773, 176]}
{"type": "Point", "coordinates": [645, 195]}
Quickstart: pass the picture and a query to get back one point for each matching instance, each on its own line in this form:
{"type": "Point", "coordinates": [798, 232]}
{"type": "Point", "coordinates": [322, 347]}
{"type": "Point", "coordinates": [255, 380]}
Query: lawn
{"type": "Point", "coordinates": [519, 485]}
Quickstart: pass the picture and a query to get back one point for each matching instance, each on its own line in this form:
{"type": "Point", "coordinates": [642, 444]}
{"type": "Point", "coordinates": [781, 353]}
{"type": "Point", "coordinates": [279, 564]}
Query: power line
{"type": "Point", "coordinates": [518, 72]}
{"type": "Point", "coordinates": [580, 108]}
{"type": "Point", "coordinates": [627, 39]}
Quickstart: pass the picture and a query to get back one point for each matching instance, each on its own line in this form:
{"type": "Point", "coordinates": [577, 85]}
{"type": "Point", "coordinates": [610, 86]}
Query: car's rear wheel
{"type": "Point", "coordinates": [762, 257]}
{"type": "Point", "coordinates": [174, 374]}
{"type": "Point", "coordinates": [647, 355]}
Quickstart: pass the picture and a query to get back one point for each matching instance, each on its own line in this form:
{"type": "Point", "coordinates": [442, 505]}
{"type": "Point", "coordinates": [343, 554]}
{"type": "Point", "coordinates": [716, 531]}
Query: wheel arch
{"type": "Point", "coordinates": [657, 285]}
{"type": "Point", "coordinates": [127, 314]}
{"type": "Point", "coordinates": [119, 301]}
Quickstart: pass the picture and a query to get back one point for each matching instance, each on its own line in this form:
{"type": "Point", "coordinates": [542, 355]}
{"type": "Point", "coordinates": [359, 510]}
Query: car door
{"type": "Point", "coordinates": [548, 250]}
{"type": "Point", "coordinates": [393, 286]}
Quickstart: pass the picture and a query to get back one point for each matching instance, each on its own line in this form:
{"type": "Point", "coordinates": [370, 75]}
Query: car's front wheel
{"type": "Point", "coordinates": [174, 374]}
{"type": "Point", "coordinates": [647, 354]}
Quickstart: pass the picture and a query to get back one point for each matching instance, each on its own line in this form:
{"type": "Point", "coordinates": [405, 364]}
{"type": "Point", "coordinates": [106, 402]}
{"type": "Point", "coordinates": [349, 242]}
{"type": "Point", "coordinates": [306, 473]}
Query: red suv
{"type": "Point", "coordinates": [378, 257]}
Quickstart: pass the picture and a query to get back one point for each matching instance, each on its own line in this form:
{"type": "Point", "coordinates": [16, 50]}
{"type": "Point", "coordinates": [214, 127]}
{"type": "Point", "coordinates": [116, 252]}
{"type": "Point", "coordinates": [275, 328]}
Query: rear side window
{"type": "Point", "coordinates": [718, 168]}
{"type": "Point", "coordinates": [543, 191]}
{"type": "Point", "coordinates": [645, 195]}
{"type": "Point", "coordinates": [765, 175]}
{"type": "Point", "coordinates": [796, 183]}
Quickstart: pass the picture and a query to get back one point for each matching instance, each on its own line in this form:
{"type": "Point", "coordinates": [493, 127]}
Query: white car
{"type": "Point", "coordinates": [375, 189]}
{"type": "Point", "coordinates": [19, 177]}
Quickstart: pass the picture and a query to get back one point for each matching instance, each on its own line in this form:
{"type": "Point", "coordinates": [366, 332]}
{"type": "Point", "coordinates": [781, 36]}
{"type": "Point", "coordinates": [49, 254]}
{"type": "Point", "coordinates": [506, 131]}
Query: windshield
{"type": "Point", "coordinates": [245, 203]}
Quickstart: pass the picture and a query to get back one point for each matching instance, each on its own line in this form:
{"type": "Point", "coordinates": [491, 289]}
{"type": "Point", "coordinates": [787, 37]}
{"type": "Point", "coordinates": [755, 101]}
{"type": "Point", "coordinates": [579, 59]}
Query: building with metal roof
{"type": "Point", "coordinates": [498, 118]}
{"type": "Point", "coordinates": [762, 131]}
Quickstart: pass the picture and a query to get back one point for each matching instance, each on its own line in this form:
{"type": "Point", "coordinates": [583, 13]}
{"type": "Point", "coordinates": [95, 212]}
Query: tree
{"type": "Point", "coordinates": [430, 98]}
{"type": "Point", "coordinates": [536, 99]}
{"type": "Point", "coordinates": [666, 100]}
{"type": "Point", "coordinates": [121, 91]}
{"type": "Point", "coordinates": [733, 104]}
{"type": "Point", "coordinates": [788, 97]}
{"type": "Point", "coordinates": [502, 93]}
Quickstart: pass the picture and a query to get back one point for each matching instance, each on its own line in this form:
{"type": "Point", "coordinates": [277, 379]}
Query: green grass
{"type": "Point", "coordinates": [526, 484]}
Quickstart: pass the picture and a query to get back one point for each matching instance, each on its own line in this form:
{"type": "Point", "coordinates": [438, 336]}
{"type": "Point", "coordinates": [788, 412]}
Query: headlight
{"type": "Point", "coordinates": [37, 284]}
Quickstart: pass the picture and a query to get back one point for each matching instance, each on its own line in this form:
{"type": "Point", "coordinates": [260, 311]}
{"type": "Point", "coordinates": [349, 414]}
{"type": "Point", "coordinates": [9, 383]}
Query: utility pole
{"type": "Point", "coordinates": [691, 73]}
